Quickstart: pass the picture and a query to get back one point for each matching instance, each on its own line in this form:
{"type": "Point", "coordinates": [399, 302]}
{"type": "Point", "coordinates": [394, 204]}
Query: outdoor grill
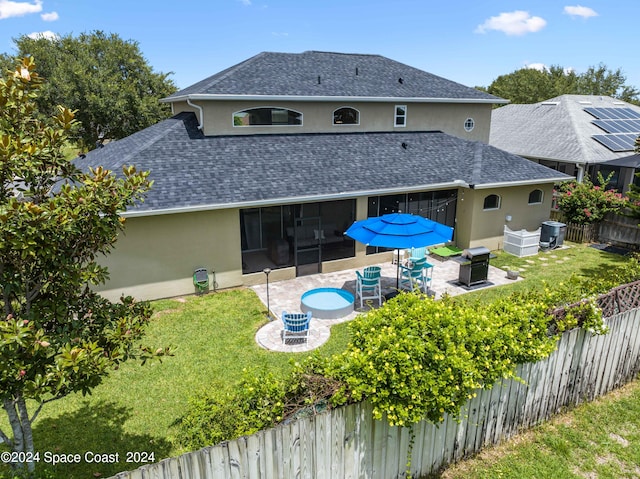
{"type": "Point", "coordinates": [474, 266]}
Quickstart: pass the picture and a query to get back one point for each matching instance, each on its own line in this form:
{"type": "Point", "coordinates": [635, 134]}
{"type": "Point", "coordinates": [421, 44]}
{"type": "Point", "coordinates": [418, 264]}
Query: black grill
{"type": "Point", "coordinates": [474, 266]}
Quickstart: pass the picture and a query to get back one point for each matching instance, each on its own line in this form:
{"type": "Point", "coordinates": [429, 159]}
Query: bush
{"type": "Point", "coordinates": [583, 203]}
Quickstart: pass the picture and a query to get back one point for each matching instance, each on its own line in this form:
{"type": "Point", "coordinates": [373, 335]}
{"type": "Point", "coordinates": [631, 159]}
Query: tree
{"type": "Point", "coordinates": [102, 76]}
{"type": "Point", "coordinates": [528, 85]}
{"type": "Point", "coordinates": [57, 336]}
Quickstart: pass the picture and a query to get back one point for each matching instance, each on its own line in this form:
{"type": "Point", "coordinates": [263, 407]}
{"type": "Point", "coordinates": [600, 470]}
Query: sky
{"type": "Point", "coordinates": [468, 41]}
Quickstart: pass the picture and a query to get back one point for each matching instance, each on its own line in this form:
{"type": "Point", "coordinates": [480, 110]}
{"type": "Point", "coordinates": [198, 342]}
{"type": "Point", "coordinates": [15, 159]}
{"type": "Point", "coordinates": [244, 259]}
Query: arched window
{"type": "Point", "coordinates": [267, 116]}
{"type": "Point", "coordinates": [535, 197]}
{"type": "Point", "coordinates": [491, 202]}
{"type": "Point", "coordinates": [346, 116]}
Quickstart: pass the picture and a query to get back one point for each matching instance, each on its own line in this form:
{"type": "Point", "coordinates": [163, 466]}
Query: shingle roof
{"type": "Point", "coordinates": [325, 74]}
{"type": "Point", "coordinates": [555, 129]}
{"type": "Point", "coordinates": [193, 171]}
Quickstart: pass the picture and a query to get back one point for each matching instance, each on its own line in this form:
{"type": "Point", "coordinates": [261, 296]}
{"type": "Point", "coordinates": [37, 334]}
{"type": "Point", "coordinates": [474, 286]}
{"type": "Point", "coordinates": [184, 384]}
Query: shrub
{"type": "Point", "coordinates": [583, 203]}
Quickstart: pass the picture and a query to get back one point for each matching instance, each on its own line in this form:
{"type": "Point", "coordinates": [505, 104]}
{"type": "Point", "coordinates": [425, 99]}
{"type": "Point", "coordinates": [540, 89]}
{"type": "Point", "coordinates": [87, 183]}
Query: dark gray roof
{"type": "Point", "coordinates": [192, 171]}
{"type": "Point", "coordinates": [555, 129]}
{"type": "Point", "coordinates": [327, 74]}
{"type": "Point", "coordinates": [632, 161]}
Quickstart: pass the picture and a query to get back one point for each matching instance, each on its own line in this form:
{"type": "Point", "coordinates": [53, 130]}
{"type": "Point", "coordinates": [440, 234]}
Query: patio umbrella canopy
{"type": "Point", "coordinates": [400, 231]}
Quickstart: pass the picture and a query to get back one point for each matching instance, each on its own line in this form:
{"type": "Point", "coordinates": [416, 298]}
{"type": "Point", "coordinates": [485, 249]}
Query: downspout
{"type": "Point", "coordinates": [580, 175]}
{"type": "Point", "coordinates": [200, 112]}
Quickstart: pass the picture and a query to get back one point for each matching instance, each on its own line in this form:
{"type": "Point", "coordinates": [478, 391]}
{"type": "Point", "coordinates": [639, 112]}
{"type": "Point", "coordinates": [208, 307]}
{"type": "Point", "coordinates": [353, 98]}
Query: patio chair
{"type": "Point", "coordinates": [418, 253]}
{"type": "Point", "coordinates": [296, 325]}
{"type": "Point", "coordinates": [201, 280]}
{"type": "Point", "coordinates": [368, 283]}
{"type": "Point", "coordinates": [417, 274]}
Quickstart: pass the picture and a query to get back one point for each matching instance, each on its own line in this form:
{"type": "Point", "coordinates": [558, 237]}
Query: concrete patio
{"type": "Point", "coordinates": [285, 296]}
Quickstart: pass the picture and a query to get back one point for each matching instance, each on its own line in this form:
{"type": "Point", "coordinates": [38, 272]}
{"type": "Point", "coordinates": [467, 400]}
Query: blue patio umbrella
{"type": "Point", "coordinates": [399, 231]}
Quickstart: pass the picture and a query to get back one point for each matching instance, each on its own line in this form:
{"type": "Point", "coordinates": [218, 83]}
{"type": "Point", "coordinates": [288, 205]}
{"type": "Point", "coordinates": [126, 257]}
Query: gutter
{"type": "Point", "coordinates": [341, 99]}
{"type": "Point", "coordinates": [200, 114]}
{"type": "Point", "coordinates": [297, 199]}
{"type": "Point", "coordinates": [520, 183]}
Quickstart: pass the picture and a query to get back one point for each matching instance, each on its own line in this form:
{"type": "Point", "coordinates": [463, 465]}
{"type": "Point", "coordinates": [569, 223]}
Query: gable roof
{"type": "Point", "coordinates": [556, 129]}
{"type": "Point", "coordinates": [321, 75]}
{"type": "Point", "coordinates": [193, 172]}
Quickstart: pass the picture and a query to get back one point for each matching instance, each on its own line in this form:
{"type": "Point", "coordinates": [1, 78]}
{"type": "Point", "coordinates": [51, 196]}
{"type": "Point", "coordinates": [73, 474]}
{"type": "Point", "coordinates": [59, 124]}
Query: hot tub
{"type": "Point", "coordinates": [327, 303]}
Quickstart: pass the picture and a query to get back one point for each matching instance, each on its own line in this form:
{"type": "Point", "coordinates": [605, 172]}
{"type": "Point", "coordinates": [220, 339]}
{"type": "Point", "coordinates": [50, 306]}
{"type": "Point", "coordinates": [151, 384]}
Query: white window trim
{"type": "Point", "coordinates": [345, 124]}
{"type": "Point", "coordinates": [266, 126]}
{"type": "Point", "coordinates": [492, 209]}
{"type": "Point", "coordinates": [396, 116]}
{"type": "Point", "coordinates": [473, 124]}
{"type": "Point", "coordinates": [541, 197]}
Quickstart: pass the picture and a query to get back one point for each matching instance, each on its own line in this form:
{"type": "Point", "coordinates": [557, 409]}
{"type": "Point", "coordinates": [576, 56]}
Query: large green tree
{"type": "Point", "coordinates": [529, 85]}
{"type": "Point", "coordinates": [104, 77]}
{"type": "Point", "coordinates": [57, 336]}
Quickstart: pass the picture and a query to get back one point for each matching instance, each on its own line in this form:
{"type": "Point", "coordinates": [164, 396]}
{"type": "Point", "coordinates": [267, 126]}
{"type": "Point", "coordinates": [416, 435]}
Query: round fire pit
{"type": "Point", "coordinates": [327, 303]}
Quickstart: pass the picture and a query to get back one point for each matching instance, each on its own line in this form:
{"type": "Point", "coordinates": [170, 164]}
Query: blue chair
{"type": "Point", "coordinates": [369, 282]}
{"type": "Point", "coordinates": [417, 274]}
{"type": "Point", "coordinates": [296, 325]}
{"type": "Point", "coordinates": [418, 253]}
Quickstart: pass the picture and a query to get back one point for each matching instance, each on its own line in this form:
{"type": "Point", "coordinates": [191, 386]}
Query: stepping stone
{"type": "Point", "coordinates": [530, 261]}
{"type": "Point", "coordinates": [543, 259]}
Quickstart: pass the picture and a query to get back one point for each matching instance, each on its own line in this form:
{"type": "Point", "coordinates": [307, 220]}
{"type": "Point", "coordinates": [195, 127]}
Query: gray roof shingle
{"type": "Point", "coordinates": [326, 74]}
{"type": "Point", "coordinates": [193, 171]}
{"type": "Point", "coordinates": [555, 129]}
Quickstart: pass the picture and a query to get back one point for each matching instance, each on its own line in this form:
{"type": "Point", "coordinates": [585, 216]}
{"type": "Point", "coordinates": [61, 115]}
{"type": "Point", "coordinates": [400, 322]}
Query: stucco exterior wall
{"type": "Point", "coordinates": [156, 255]}
{"type": "Point", "coordinates": [318, 117]}
{"type": "Point", "coordinates": [477, 227]}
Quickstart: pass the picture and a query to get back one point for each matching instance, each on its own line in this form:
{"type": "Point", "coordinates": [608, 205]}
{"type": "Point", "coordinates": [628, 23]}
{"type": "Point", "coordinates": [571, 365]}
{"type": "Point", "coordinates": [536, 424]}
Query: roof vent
{"type": "Point", "coordinates": [401, 81]}
{"type": "Point", "coordinates": [356, 71]}
{"type": "Point", "coordinates": [585, 102]}
{"type": "Point", "coordinates": [550, 103]}
{"type": "Point", "coordinates": [319, 80]}
{"type": "Point", "coordinates": [404, 145]}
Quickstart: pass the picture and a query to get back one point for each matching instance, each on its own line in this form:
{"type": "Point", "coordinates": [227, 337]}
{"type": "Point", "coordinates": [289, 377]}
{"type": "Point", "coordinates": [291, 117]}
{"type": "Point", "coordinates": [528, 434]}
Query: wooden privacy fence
{"type": "Point", "coordinates": [620, 231]}
{"type": "Point", "coordinates": [347, 443]}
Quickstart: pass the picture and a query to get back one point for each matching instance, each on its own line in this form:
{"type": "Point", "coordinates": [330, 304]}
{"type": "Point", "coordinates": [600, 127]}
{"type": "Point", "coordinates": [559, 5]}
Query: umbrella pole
{"type": "Point", "coordinates": [398, 272]}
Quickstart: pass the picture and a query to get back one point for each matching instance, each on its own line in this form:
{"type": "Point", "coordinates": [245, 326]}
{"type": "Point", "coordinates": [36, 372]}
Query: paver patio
{"type": "Point", "coordinates": [285, 296]}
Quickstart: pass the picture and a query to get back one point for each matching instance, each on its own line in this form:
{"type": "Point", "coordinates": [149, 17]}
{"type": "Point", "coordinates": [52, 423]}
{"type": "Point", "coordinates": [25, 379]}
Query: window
{"type": "Point", "coordinates": [469, 124]}
{"type": "Point", "coordinates": [268, 116]}
{"type": "Point", "coordinates": [346, 116]}
{"type": "Point", "coordinates": [491, 202]}
{"type": "Point", "coordinates": [535, 197]}
{"type": "Point", "coordinates": [400, 116]}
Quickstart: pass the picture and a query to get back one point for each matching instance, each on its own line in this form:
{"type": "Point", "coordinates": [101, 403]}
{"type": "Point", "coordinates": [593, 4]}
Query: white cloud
{"type": "Point", "coordinates": [580, 11]}
{"type": "Point", "coordinates": [245, 2]}
{"type": "Point", "coordinates": [49, 35]}
{"type": "Point", "coordinates": [50, 17]}
{"type": "Point", "coordinates": [537, 66]}
{"type": "Point", "coordinates": [10, 9]}
{"type": "Point", "coordinates": [513, 23]}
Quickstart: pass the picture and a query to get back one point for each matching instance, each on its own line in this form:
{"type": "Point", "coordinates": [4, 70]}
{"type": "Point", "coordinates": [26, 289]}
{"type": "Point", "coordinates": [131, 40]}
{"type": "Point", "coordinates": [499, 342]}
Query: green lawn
{"type": "Point", "coordinates": [213, 336]}
{"type": "Point", "coordinates": [599, 440]}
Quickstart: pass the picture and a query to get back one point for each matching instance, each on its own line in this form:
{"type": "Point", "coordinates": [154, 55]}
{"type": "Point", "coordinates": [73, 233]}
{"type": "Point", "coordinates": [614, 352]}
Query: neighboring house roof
{"type": "Point", "coordinates": [322, 75]}
{"type": "Point", "coordinates": [556, 129]}
{"type": "Point", "coordinates": [632, 161]}
{"type": "Point", "coordinates": [194, 172]}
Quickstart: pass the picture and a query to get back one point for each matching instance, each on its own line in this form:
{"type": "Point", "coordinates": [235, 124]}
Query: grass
{"type": "Point", "coordinates": [134, 408]}
{"type": "Point", "coordinates": [552, 267]}
{"type": "Point", "coordinates": [599, 440]}
{"type": "Point", "coordinates": [213, 335]}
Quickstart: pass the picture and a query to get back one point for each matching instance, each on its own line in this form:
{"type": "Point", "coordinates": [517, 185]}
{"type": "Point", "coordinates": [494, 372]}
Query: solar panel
{"type": "Point", "coordinates": [618, 142]}
{"type": "Point", "coordinates": [618, 126]}
{"type": "Point", "coordinates": [613, 113]}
